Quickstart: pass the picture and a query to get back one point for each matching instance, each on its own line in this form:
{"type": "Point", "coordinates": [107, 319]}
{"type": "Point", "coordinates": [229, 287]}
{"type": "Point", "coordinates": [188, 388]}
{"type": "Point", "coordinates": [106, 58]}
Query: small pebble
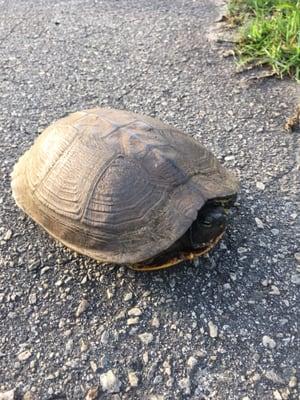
{"type": "Point", "coordinates": [83, 305]}
{"type": "Point", "coordinates": [242, 250]}
{"type": "Point", "coordinates": [128, 296]}
{"type": "Point", "coordinates": [28, 396]}
{"type": "Point", "coordinates": [92, 394]}
{"type": "Point", "coordinates": [259, 223]}
{"type": "Point", "coordinates": [145, 357]}
{"type": "Point", "coordinates": [167, 367]}
{"type": "Point", "coordinates": [146, 337]}
{"type": "Point", "coordinates": [44, 270]}
{"type": "Point", "coordinates": [293, 382]}
{"type": "Point", "coordinates": [7, 235]}
{"type": "Point", "coordinates": [260, 185]}
{"type": "Point", "coordinates": [24, 355]}
{"type": "Point", "coordinates": [275, 231]}
{"type": "Point", "coordinates": [274, 290]}
{"type": "Point", "coordinates": [93, 366]}
{"type": "Point", "coordinates": [109, 382]}
{"type": "Point", "coordinates": [104, 337]}
{"type": "Point", "coordinates": [265, 282]}
{"type": "Point", "coordinates": [32, 298]}
{"type": "Point", "coordinates": [134, 312]}
{"type": "Point", "coordinates": [268, 342]}
{"type": "Point", "coordinates": [155, 322]}
{"type": "Point", "coordinates": [213, 329]}
{"type": "Point", "coordinates": [228, 53]}
{"type": "Point", "coordinates": [297, 257]}
{"type": "Point", "coordinates": [69, 345]}
{"type": "Point", "coordinates": [83, 346]}
{"type": "Point", "coordinates": [191, 362]}
{"type": "Point", "coordinates": [133, 379]}
{"type": "Point", "coordinates": [133, 321]}
{"type": "Point", "coordinates": [156, 397]}
{"type": "Point", "coordinates": [67, 332]}
{"type": "Point", "coordinates": [8, 395]}
{"type": "Point", "coordinates": [277, 395]}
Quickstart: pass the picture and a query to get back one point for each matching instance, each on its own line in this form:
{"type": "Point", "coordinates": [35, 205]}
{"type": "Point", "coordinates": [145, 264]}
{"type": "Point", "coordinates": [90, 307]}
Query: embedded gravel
{"type": "Point", "coordinates": [224, 327]}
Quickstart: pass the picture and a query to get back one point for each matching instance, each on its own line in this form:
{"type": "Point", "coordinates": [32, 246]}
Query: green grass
{"type": "Point", "coordinates": [269, 35]}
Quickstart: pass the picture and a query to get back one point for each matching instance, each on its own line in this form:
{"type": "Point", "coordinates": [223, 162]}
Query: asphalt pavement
{"type": "Point", "coordinates": [222, 328]}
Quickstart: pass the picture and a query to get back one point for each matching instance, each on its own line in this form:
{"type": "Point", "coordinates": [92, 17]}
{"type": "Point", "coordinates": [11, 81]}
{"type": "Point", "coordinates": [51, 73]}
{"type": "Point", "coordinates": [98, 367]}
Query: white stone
{"type": "Point", "coordinates": [134, 312]}
{"type": "Point", "coordinates": [297, 257]}
{"type": "Point", "coordinates": [44, 270]}
{"type": "Point", "coordinates": [213, 329]}
{"type": "Point", "coordinates": [145, 357]}
{"type": "Point", "coordinates": [268, 342]}
{"type": "Point", "coordinates": [83, 305]}
{"type": "Point", "coordinates": [128, 296]}
{"type": "Point", "coordinates": [277, 395]}
{"type": "Point", "coordinates": [191, 362]}
{"type": "Point", "coordinates": [32, 298]}
{"type": "Point", "coordinates": [7, 235]}
{"type": "Point", "coordinates": [167, 368]}
{"type": "Point", "coordinates": [293, 382]}
{"type": "Point", "coordinates": [155, 322]}
{"type": "Point", "coordinates": [133, 379]}
{"type": "Point", "coordinates": [8, 395]}
{"type": "Point", "coordinates": [260, 185]}
{"type": "Point", "coordinates": [275, 290]}
{"type": "Point", "coordinates": [109, 382]}
{"type": "Point", "coordinates": [265, 282]}
{"type": "Point", "coordinates": [83, 346]}
{"type": "Point", "coordinates": [69, 345]}
{"type": "Point", "coordinates": [146, 337]}
{"type": "Point", "coordinates": [24, 355]}
{"type": "Point", "coordinates": [133, 321]}
{"type": "Point", "coordinates": [104, 337]}
{"type": "Point", "coordinates": [259, 223]}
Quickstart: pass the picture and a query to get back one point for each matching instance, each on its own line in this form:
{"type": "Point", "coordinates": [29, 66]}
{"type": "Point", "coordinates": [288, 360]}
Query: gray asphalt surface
{"type": "Point", "coordinates": [224, 327]}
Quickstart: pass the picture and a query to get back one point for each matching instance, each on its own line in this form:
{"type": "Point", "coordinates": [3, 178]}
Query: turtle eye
{"type": "Point", "coordinates": [207, 222]}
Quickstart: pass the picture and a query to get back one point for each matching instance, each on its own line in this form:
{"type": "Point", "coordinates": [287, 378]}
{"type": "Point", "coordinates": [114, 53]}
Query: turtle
{"type": "Point", "coordinates": [125, 188]}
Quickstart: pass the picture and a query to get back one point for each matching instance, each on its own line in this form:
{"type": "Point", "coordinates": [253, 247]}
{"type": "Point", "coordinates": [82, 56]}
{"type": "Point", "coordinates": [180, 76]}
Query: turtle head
{"type": "Point", "coordinates": [210, 224]}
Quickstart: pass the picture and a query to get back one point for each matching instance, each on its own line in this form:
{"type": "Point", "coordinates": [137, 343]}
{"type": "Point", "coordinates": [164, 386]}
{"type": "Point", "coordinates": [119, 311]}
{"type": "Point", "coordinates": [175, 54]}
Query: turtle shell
{"type": "Point", "coordinates": [117, 186]}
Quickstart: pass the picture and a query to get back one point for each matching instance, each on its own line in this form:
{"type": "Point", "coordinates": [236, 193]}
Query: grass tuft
{"type": "Point", "coordinates": [269, 35]}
